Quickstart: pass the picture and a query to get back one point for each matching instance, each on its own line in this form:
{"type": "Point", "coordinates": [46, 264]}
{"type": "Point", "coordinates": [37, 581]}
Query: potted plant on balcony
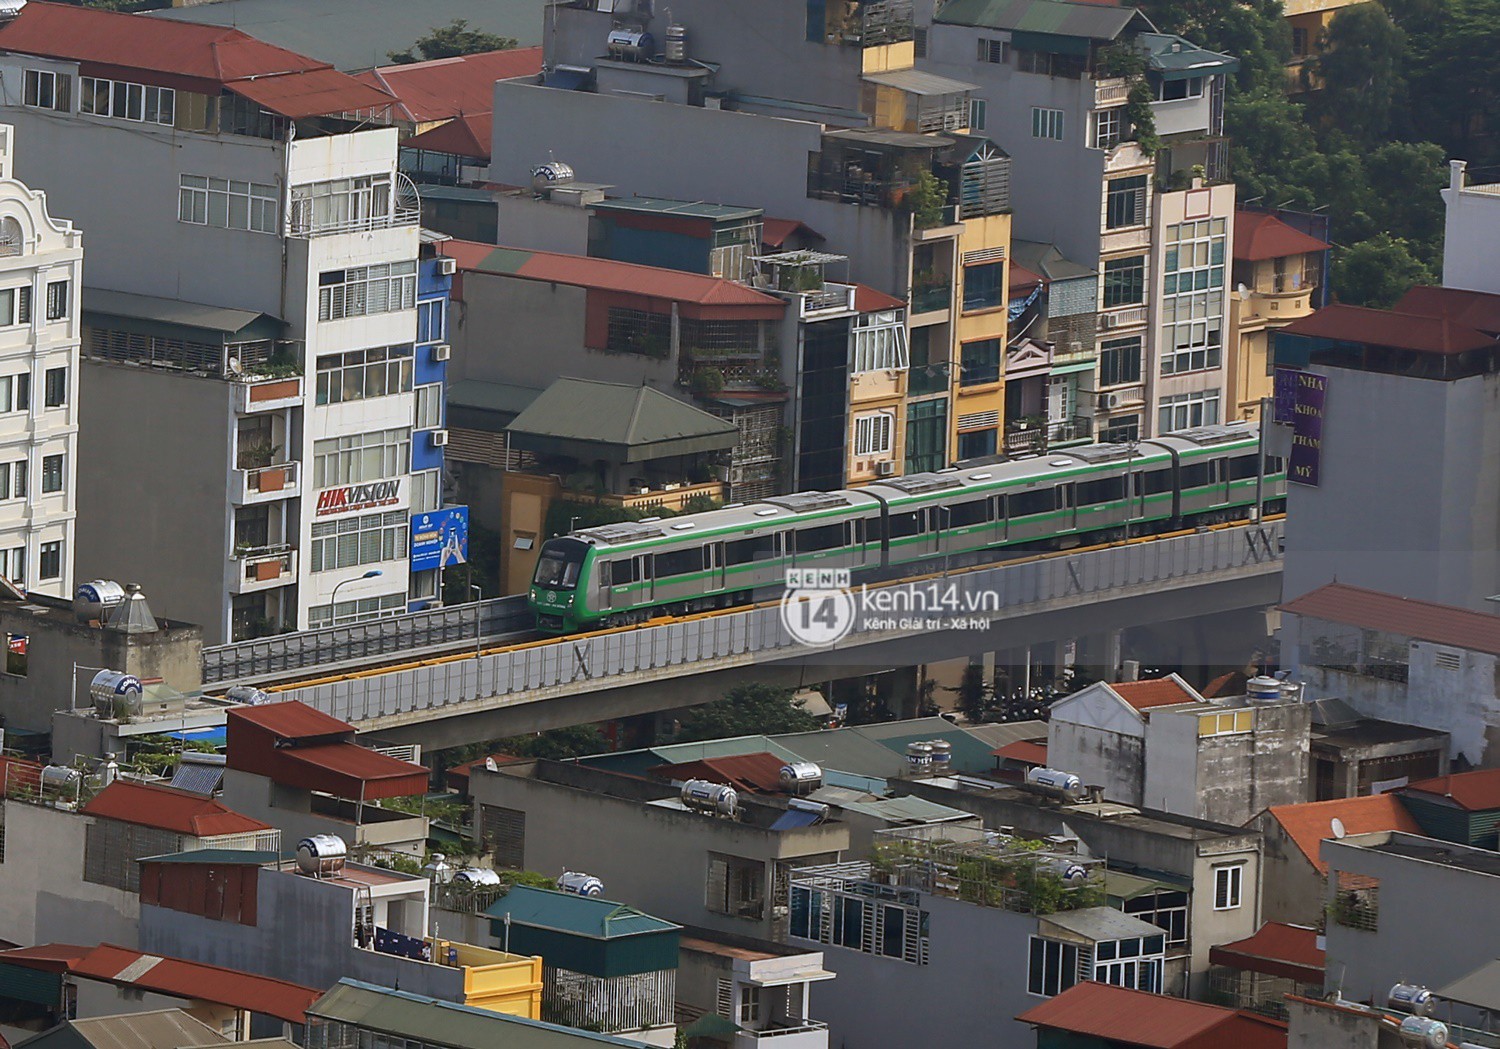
{"type": "Point", "coordinates": [256, 456]}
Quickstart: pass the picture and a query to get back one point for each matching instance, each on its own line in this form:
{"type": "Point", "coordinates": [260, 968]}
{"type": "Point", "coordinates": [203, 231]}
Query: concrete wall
{"type": "Point", "coordinates": [525, 221]}
{"type": "Point", "coordinates": [43, 897]}
{"type": "Point", "coordinates": [1227, 778]}
{"type": "Point", "coordinates": [1098, 738]}
{"type": "Point", "coordinates": [290, 809]}
{"type": "Point", "coordinates": [971, 990]}
{"type": "Point", "coordinates": [1470, 231]}
{"type": "Point", "coordinates": [133, 519]}
{"type": "Point", "coordinates": [1440, 541]}
{"type": "Point", "coordinates": [726, 157]}
{"type": "Point", "coordinates": [1325, 1026]}
{"type": "Point", "coordinates": [653, 858]}
{"type": "Point", "coordinates": [97, 998]}
{"type": "Point", "coordinates": [1292, 888]}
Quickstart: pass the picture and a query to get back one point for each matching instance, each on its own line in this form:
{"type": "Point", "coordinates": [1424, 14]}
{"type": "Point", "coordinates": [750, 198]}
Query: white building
{"type": "Point", "coordinates": [251, 333]}
{"type": "Point", "coordinates": [41, 259]}
{"type": "Point", "coordinates": [1472, 226]}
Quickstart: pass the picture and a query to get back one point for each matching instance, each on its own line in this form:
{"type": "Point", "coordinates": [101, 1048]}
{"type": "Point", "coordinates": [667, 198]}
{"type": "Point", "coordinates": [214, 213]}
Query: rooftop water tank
{"type": "Point", "coordinates": [1071, 872]}
{"type": "Point", "coordinates": [676, 48]}
{"type": "Point", "coordinates": [580, 884]}
{"type": "Point", "coordinates": [630, 45]}
{"type": "Point", "coordinates": [710, 797]}
{"type": "Point", "coordinates": [1424, 1031]}
{"type": "Point", "coordinates": [800, 777]}
{"type": "Point", "coordinates": [942, 756]}
{"type": "Point", "coordinates": [249, 695]}
{"type": "Point", "coordinates": [1263, 689]}
{"type": "Point", "coordinates": [1063, 785]}
{"type": "Point", "coordinates": [476, 878]}
{"type": "Point", "coordinates": [919, 758]}
{"type": "Point", "coordinates": [94, 600]}
{"type": "Point", "coordinates": [815, 808]}
{"type": "Point", "coordinates": [321, 854]}
{"type": "Point", "coordinates": [550, 175]}
{"type": "Point", "coordinates": [116, 694]}
{"type": "Point", "coordinates": [60, 779]}
{"type": "Point", "coordinates": [1411, 998]}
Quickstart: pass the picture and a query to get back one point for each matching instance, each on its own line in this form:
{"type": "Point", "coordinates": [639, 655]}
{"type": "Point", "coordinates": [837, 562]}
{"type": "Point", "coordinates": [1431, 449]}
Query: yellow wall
{"type": "Point", "coordinates": [887, 58]}
{"type": "Point", "coordinates": [525, 500]}
{"type": "Point", "coordinates": [985, 231]}
{"type": "Point", "coordinates": [494, 980]}
{"type": "Point", "coordinates": [870, 392]}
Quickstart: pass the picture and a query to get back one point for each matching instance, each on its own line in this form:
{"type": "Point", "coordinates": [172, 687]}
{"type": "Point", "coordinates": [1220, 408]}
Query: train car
{"type": "Point", "coordinates": [618, 574]}
{"type": "Point", "coordinates": [624, 573]}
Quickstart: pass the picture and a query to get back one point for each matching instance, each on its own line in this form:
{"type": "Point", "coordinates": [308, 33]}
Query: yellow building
{"type": "Point", "coordinates": [1309, 20]}
{"type": "Point", "coordinates": [1276, 273]}
{"type": "Point", "coordinates": [983, 302]}
{"type": "Point", "coordinates": [494, 980]}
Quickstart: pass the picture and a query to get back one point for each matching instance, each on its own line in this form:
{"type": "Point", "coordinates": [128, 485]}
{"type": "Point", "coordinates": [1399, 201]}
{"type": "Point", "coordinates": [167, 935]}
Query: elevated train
{"type": "Point", "coordinates": [977, 511]}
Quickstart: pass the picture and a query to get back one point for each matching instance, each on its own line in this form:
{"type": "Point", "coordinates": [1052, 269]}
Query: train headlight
{"type": "Point", "coordinates": [570, 600]}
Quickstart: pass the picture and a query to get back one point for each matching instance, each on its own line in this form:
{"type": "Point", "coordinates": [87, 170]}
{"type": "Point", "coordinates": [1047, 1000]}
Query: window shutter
{"type": "Point", "coordinates": [724, 999]}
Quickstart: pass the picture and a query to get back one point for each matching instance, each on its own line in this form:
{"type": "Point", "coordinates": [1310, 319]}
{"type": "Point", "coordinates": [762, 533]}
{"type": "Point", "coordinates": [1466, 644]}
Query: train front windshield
{"type": "Point", "coordinates": [559, 564]}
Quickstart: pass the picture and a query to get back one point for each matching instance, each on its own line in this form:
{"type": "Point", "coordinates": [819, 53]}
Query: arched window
{"type": "Point", "coordinates": [11, 237]}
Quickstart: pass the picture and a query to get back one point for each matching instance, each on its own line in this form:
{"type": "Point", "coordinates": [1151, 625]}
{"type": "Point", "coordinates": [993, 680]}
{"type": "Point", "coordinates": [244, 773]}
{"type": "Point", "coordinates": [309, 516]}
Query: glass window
{"type": "Point", "coordinates": [1120, 361]}
{"type": "Point", "coordinates": [52, 474]}
{"type": "Point", "coordinates": [45, 89]}
{"type": "Point", "coordinates": [55, 387]}
{"type": "Point", "coordinates": [426, 491]}
{"type": "Point", "coordinates": [352, 459]}
{"type": "Point", "coordinates": [1125, 281]}
{"type": "Point", "coordinates": [1053, 967]}
{"type": "Point", "coordinates": [1121, 430]}
{"type": "Point", "coordinates": [429, 407]}
{"type": "Point", "coordinates": [976, 114]}
{"type": "Point", "coordinates": [874, 434]}
{"type": "Point", "coordinates": [1125, 202]}
{"type": "Point", "coordinates": [431, 320]}
{"type": "Point", "coordinates": [361, 374]}
{"type": "Point", "coordinates": [1184, 410]}
{"type": "Point", "coordinates": [227, 204]}
{"type": "Point", "coordinates": [879, 343]}
{"type": "Point", "coordinates": [1046, 123]}
{"type": "Point", "coordinates": [980, 362]}
{"type": "Point", "coordinates": [976, 444]}
{"type": "Point", "coordinates": [983, 286]}
{"type": "Point", "coordinates": [57, 300]}
{"type": "Point", "coordinates": [364, 290]}
{"type": "Point", "coordinates": [50, 566]}
{"type": "Point", "coordinates": [1107, 126]}
{"type": "Point", "coordinates": [360, 540]}
{"type": "Point", "coordinates": [1227, 886]}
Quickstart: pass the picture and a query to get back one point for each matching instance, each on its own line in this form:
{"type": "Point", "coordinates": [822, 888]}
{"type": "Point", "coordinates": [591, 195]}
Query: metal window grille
{"type": "Point", "coordinates": [504, 835]}
{"type": "Point", "coordinates": [619, 1003]}
{"type": "Point", "coordinates": [636, 331]}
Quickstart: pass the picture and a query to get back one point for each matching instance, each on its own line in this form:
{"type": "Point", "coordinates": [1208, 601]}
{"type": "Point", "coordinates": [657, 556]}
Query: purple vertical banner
{"type": "Point", "coordinates": [1284, 394]}
{"type": "Point", "coordinates": [1307, 429]}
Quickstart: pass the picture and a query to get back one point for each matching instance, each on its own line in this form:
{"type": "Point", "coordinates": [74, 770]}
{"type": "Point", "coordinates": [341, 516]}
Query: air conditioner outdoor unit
{"type": "Point", "coordinates": [447, 267]}
{"type": "Point", "coordinates": [885, 468]}
{"type": "Point", "coordinates": [441, 351]}
{"type": "Point", "coordinates": [1108, 321]}
{"type": "Point", "coordinates": [439, 438]}
{"type": "Point", "coordinates": [1113, 401]}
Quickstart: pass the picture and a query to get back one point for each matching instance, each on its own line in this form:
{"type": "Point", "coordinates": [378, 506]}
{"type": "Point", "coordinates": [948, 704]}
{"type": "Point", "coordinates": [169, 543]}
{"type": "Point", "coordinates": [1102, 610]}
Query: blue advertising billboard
{"type": "Point", "coordinates": [440, 538]}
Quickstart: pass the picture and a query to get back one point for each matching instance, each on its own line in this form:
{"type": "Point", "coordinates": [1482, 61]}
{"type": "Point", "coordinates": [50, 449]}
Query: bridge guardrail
{"type": "Point", "coordinates": [587, 663]}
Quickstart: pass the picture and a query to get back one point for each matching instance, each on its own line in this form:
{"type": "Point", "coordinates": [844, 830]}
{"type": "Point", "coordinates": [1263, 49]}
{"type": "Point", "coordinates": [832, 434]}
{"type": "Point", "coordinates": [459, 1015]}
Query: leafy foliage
{"type": "Point", "coordinates": [1378, 271]}
{"type": "Point", "coordinates": [747, 710]}
{"type": "Point", "coordinates": [559, 744]}
{"type": "Point", "coordinates": [450, 41]}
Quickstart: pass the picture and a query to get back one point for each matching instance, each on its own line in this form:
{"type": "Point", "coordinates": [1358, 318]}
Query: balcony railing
{"type": "Point", "coordinates": [266, 395]}
{"type": "Point", "coordinates": [261, 568]}
{"type": "Point", "coordinates": [668, 497]}
{"type": "Point", "coordinates": [783, 1031]}
{"type": "Point", "coordinates": [831, 296]}
{"type": "Point", "coordinates": [1110, 92]}
{"type": "Point", "coordinates": [931, 299]}
{"type": "Point", "coordinates": [278, 481]}
{"type": "Point", "coordinates": [1077, 428]}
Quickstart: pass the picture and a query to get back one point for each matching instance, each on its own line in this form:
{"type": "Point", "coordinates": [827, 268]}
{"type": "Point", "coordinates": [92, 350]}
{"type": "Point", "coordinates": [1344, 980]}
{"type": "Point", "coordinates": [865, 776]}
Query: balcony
{"type": "Point", "coordinates": [385, 208]}
{"type": "Point", "coordinates": [1278, 301]}
{"type": "Point", "coordinates": [263, 484]}
{"type": "Point", "coordinates": [831, 298]}
{"type": "Point", "coordinates": [932, 298]}
{"type": "Point", "coordinates": [927, 378]}
{"type": "Point", "coordinates": [263, 568]}
{"type": "Point", "coordinates": [791, 1034]}
{"type": "Point", "coordinates": [1073, 430]}
{"type": "Point", "coordinates": [1126, 318]}
{"type": "Point", "coordinates": [268, 395]}
{"type": "Point", "coordinates": [1111, 92]}
{"type": "Point", "coordinates": [674, 497]}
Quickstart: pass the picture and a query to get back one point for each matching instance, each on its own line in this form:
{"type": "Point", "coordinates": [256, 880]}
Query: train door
{"type": "Point", "coordinates": [1218, 479]}
{"type": "Point", "coordinates": [647, 573]}
{"type": "Point", "coordinates": [1135, 496]}
{"type": "Point", "coordinates": [1000, 514]}
{"type": "Point", "coordinates": [1067, 506]}
{"type": "Point", "coordinates": [713, 563]}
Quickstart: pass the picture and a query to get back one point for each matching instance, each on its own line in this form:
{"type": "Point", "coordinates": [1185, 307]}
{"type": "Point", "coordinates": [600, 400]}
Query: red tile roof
{"type": "Point", "coordinates": [165, 808]}
{"type": "Point", "coordinates": [1153, 1021]}
{"type": "Point", "coordinates": [1259, 235]}
{"type": "Point", "coordinates": [1475, 791]}
{"type": "Point", "coordinates": [1276, 949]}
{"type": "Point", "coordinates": [1310, 823]}
{"type": "Point", "coordinates": [105, 41]}
{"type": "Point", "coordinates": [758, 773]}
{"type": "Point", "coordinates": [870, 300]}
{"type": "Point", "coordinates": [464, 136]}
{"type": "Point", "coordinates": [774, 232]}
{"type": "Point", "coordinates": [1028, 752]}
{"type": "Point", "coordinates": [1402, 331]}
{"type": "Point", "coordinates": [607, 275]}
{"type": "Point", "coordinates": [1474, 309]}
{"type": "Point", "coordinates": [1023, 279]}
{"type": "Point", "coordinates": [1155, 692]}
{"type": "Point", "coordinates": [449, 87]}
{"type": "Point", "coordinates": [293, 719]}
{"type": "Point", "coordinates": [1422, 620]}
{"type": "Point", "coordinates": [362, 765]}
{"type": "Point", "coordinates": [175, 977]}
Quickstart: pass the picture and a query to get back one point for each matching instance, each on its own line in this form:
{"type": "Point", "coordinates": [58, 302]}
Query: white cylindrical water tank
{"type": "Point", "coordinates": [1052, 781]}
{"type": "Point", "coordinates": [1411, 998]}
{"type": "Point", "coordinates": [580, 884]}
{"type": "Point", "coordinates": [1424, 1032]}
{"type": "Point", "coordinates": [321, 854]}
{"type": "Point", "coordinates": [799, 777]}
{"type": "Point", "coordinates": [710, 797]}
{"type": "Point", "coordinates": [116, 694]}
{"type": "Point", "coordinates": [1263, 689]}
{"type": "Point", "coordinates": [476, 878]}
{"type": "Point", "coordinates": [942, 756]}
{"type": "Point", "coordinates": [676, 48]}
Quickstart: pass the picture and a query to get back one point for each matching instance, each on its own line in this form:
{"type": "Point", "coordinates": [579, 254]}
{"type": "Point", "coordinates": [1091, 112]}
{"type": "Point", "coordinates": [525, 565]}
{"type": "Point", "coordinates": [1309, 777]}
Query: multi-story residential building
{"type": "Point", "coordinates": [1155, 226]}
{"type": "Point", "coordinates": [1279, 275]}
{"type": "Point", "coordinates": [1471, 226]}
{"type": "Point", "coordinates": [41, 259]}
{"type": "Point", "coordinates": [276, 325]}
{"type": "Point", "coordinates": [762, 988]}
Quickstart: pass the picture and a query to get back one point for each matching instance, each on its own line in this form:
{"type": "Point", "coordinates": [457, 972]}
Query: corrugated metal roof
{"type": "Point", "coordinates": [1155, 692]}
{"type": "Point", "coordinates": [1477, 309]}
{"type": "Point", "coordinates": [776, 231]}
{"type": "Point", "coordinates": [219, 857]}
{"type": "Point", "coordinates": [1122, 886]}
{"type": "Point", "coordinates": [1408, 617]}
{"type": "Point", "coordinates": [1480, 988]}
{"type": "Point", "coordinates": [436, 1022]}
{"type": "Point", "coordinates": [218, 319]}
{"type": "Point", "coordinates": [357, 762]}
{"type": "Point", "coordinates": [1260, 235]}
{"type": "Point", "coordinates": [50, 957]}
{"type": "Point", "coordinates": [1475, 791]}
{"type": "Point", "coordinates": [464, 136]}
{"type": "Point", "coordinates": [292, 719]}
{"type": "Point", "coordinates": [1024, 750]}
{"type": "Point", "coordinates": [491, 396]}
{"type": "Point", "coordinates": [638, 418]}
{"type": "Point", "coordinates": [159, 1029]}
{"type": "Point", "coordinates": [589, 916]}
{"type": "Point", "coordinates": [1178, 57]}
{"type": "Point", "coordinates": [909, 809]}
{"type": "Point", "coordinates": [998, 733]}
{"type": "Point", "coordinates": [150, 805]}
{"type": "Point", "coordinates": [917, 82]}
{"type": "Point", "coordinates": [1276, 949]}
{"type": "Point", "coordinates": [1155, 1021]}
{"type": "Point", "coordinates": [1091, 21]}
{"type": "Point", "coordinates": [1400, 331]}
{"type": "Point", "coordinates": [1100, 923]}
{"type": "Point", "coordinates": [698, 209]}
{"type": "Point", "coordinates": [1309, 823]}
{"type": "Point", "coordinates": [194, 980]}
{"type": "Point", "coordinates": [758, 772]}
{"type": "Point", "coordinates": [449, 87]}
{"type": "Point", "coordinates": [280, 80]}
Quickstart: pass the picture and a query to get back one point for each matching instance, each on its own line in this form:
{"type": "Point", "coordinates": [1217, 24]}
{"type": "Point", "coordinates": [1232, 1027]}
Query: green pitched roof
{"type": "Point", "coordinates": [1176, 58]}
{"type": "Point", "coordinates": [575, 417]}
{"type": "Point", "coordinates": [1053, 17]}
{"type": "Point", "coordinates": [579, 915]}
{"type": "Point", "coordinates": [436, 1022]}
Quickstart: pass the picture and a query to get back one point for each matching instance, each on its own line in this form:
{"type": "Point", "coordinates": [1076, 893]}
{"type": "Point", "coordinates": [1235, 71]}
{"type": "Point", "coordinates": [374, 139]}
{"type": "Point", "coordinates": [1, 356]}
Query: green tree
{"type": "Point", "coordinates": [971, 693]}
{"type": "Point", "coordinates": [558, 744]}
{"type": "Point", "coordinates": [450, 41]}
{"type": "Point", "coordinates": [1454, 73]}
{"type": "Point", "coordinates": [1360, 64]}
{"type": "Point", "coordinates": [1378, 271]}
{"type": "Point", "coordinates": [748, 710]}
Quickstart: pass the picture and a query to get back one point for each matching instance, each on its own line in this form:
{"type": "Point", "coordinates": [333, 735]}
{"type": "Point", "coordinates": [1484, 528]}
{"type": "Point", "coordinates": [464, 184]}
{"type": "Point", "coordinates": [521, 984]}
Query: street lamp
{"type": "Point", "coordinates": [333, 602]}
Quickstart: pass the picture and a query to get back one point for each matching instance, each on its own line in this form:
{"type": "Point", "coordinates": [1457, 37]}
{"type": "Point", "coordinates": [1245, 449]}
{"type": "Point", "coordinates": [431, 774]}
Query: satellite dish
{"type": "Point", "coordinates": [1337, 825]}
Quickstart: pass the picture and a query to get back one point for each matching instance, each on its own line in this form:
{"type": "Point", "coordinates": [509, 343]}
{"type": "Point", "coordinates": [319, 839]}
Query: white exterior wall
{"type": "Point", "coordinates": [1099, 739]}
{"type": "Point", "coordinates": [50, 250]}
{"type": "Point", "coordinates": [1471, 231]}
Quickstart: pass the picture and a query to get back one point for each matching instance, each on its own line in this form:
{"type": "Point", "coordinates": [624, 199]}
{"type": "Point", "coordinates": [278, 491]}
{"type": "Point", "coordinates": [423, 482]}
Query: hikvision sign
{"type": "Point", "coordinates": [358, 497]}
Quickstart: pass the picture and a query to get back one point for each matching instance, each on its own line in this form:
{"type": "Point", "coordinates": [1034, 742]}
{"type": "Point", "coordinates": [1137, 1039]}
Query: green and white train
{"type": "Point", "coordinates": [619, 574]}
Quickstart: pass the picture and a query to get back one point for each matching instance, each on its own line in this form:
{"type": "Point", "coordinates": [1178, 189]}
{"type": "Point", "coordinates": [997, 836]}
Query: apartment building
{"type": "Point", "coordinates": [276, 324]}
{"type": "Point", "coordinates": [41, 259]}
{"type": "Point", "coordinates": [1156, 226]}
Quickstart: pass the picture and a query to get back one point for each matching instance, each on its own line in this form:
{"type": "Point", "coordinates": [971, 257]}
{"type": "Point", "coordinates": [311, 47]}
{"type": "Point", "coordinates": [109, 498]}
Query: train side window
{"type": "Point", "coordinates": [1242, 468]}
{"type": "Point", "coordinates": [1275, 464]}
{"type": "Point", "coordinates": [902, 525]}
{"type": "Point", "coordinates": [976, 511]}
{"type": "Point", "coordinates": [1195, 476]}
{"type": "Point", "coordinates": [618, 573]}
{"type": "Point", "coordinates": [744, 551]}
{"type": "Point", "coordinates": [1158, 481]}
{"type": "Point", "coordinates": [828, 537]}
{"type": "Point", "coordinates": [679, 562]}
{"type": "Point", "coordinates": [1106, 490]}
{"type": "Point", "coordinates": [1025, 504]}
